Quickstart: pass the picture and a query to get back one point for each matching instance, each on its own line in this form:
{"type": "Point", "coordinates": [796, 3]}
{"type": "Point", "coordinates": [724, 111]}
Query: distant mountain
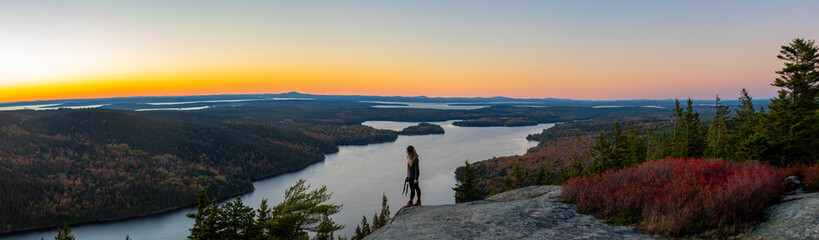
{"type": "Point", "coordinates": [204, 102]}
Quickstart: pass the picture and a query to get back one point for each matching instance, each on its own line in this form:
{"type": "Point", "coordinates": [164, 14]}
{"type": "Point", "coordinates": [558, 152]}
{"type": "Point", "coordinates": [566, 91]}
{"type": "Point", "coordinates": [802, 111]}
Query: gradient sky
{"type": "Point", "coordinates": [527, 49]}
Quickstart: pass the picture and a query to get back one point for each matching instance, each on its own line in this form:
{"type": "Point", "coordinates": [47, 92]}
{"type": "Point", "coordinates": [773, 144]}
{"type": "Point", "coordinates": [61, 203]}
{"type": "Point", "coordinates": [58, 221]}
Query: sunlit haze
{"type": "Point", "coordinates": [524, 49]}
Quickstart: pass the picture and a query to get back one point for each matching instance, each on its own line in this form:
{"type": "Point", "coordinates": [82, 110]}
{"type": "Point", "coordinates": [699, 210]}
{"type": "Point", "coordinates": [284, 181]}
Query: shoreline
{"type": "Point", "coordinates": [220, 200]}
{"type": "Point", "coordinates": [109, 220]}
{"type": "Point", "coordinates": [167, 210]}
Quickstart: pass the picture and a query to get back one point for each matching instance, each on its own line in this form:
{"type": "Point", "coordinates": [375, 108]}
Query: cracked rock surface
{"type": "Point", "coordinates": [526, 213]}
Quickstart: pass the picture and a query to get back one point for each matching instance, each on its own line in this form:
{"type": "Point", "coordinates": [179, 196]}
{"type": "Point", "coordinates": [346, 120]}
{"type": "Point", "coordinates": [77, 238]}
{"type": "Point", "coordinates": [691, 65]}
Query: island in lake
{"type": "Point", "coordinates": [422, 129]}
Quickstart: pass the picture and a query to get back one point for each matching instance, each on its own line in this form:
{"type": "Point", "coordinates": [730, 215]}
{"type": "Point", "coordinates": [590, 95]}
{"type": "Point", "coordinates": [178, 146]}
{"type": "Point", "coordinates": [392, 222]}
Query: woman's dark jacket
{"type": "Point", "coordinates": [413, 171]}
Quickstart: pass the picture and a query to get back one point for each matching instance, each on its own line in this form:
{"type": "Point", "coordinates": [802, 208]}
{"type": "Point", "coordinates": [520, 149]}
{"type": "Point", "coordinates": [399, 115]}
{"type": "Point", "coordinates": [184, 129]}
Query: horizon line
{"type": "Point", "coordinates": [364, 95]}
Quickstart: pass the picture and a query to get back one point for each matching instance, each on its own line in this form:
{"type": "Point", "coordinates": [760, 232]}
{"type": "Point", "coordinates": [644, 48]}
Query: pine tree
{"type": "Point", "coordinates": [326, 228]}
{"type": "Point", "coordinates": [301, 211]}
{"type": "Point", "coordinates": [792, 113]}
{"type": "Point", "coordinates": [680, 137]}
{"type": "Point", "coordinates": [362, 230]}
{"type": "Point", "coordinates": [211, 224]}
{"type": "Point", "coordinates": [542, 177]}
{"type": "Point", "coordinates": [637, 150]}
{"type": "Point", "coordinates": [384, 215]}
{"type": "Point", "coordinates": [695, 138]}
{"type": "Point", "coordinates": [602, 151]}
{"type": "Point", "coordinates": [198, 230]}
{"type": "Point", "coordinates": [64, 233]}
{"type": "Point", "coordinates": [718, 139]}
{"type": "Point", "coordinates": [560, 176]}
{"type": "Point", "coordinates": [264, 221]}
{"type": "Point", "coordinates": [508, 183]}
{"type": "Point", "coordinates": [745, 137]}
{"type": "Point", "coordinates": [358, 235]}
{"type": "Point", "coordinates": [517, 173]}
{"type": "Point", "coordinates": [467, 190]}
{"type": "Point", "coordinates": [654, 143]}
{"type": "Point", "coordinates": [576, 169]}
{"type": "Point", "coordinates": [237, 221]}
{"type": "Point", "coordinates": [620, 147]}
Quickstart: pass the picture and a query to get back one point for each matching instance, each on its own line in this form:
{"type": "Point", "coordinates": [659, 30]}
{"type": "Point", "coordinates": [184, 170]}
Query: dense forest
{"type": "Point", "coordinates": [99, 164]}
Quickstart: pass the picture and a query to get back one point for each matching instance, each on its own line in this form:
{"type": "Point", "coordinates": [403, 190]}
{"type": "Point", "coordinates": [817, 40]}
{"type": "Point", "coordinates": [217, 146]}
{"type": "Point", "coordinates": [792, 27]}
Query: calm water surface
{"type": "Point", "coordinates": [356, 175]}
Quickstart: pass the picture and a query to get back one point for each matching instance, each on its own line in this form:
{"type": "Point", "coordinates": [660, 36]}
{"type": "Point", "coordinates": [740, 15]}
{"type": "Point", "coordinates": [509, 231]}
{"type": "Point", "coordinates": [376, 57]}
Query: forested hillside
{"type": "Point", "coordinates": [70, 166]}
{"type": "Point", "coordinates": [100, 164]}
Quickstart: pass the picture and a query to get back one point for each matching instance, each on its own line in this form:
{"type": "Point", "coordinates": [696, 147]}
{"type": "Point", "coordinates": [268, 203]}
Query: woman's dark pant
{"type": "Point", "coordinates": [414, 188]}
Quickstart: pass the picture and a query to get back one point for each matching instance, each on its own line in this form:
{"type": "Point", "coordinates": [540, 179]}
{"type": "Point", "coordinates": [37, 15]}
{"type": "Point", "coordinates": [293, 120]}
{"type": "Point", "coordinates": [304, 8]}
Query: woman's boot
{"type": "Point", "coordinates": [409, 204]}
{"type": "Point", "coordinates": [418, 203]}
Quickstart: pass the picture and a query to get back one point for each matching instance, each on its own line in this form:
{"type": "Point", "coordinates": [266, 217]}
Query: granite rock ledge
{"type": "Point", "coordinates": [526, 213]}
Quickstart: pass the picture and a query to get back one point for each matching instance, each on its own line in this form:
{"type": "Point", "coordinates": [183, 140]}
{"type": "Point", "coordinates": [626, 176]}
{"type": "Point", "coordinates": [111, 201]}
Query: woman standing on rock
{"type": "Point", "coordinates": [412, 175]}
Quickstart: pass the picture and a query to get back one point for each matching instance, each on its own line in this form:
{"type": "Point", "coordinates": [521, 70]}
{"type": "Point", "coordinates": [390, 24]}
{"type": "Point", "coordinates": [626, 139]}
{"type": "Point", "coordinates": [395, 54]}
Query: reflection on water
{"type": "Point", "coordinates": [172, 109]}
{"type": "Point", "coordinates": [356, 175]}
{"type": "Point", "coordinates": [426, 105]}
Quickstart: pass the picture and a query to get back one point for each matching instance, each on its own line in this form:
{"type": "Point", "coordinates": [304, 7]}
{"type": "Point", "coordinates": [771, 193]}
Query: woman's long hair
{"type": "Point", "coordinates": [411, 154]}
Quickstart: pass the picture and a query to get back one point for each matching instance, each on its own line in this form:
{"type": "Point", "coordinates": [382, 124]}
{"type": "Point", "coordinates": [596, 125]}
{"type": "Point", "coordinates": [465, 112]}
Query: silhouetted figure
{"type": "Point", "coordinates": [412, 175]}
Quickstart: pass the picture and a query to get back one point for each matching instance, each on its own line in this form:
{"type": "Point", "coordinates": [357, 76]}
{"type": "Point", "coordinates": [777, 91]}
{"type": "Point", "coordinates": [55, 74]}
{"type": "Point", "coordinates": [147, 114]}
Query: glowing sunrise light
{"type": "Point", "coordinates": [579, 50]}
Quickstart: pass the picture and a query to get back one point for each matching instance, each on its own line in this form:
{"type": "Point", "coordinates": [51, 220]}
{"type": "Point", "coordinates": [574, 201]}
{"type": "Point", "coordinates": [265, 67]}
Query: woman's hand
{"type": "Point", "coordinates": [416, 181]}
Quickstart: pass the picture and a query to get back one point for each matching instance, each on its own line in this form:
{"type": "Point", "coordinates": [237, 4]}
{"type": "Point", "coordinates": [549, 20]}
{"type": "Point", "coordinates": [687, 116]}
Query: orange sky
{"type": "Point", "coordinates": [591, 50]}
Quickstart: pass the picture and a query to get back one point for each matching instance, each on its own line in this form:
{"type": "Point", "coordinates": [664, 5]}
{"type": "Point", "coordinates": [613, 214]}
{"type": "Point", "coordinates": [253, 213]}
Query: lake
{"type": "Point", "coordinates": [356, 175]}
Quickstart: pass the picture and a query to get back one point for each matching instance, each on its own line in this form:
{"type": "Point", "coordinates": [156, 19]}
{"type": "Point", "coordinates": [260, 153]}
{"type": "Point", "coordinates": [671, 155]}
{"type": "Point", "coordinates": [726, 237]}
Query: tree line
{"type": "Point", "coordinates": [783, 133]}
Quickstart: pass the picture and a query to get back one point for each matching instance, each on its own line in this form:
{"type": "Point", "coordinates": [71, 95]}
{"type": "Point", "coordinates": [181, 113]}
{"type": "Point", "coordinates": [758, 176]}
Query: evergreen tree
{"type": "Point", "coordinates": [520, 180]}
{"type": "Point", "coordinates": [654, 143]}
{"type": "Point", "coordinates": [602, 151]}
{"type": "Point", "coordinates": [718, 144]}
{"type": "Point", "coordinates": [800, 75]}
{"type": "Point", "coordinates": [508, 183]}
{"type": "Point", "coordinates": [264, 221]}
{"type": "Point", "coordinates": [620, 147]}
{"type": "Point", "coordinates": [362, 230]}
{"type": "Point", "coordinates": [680, 138]}
{"type": "Point", "coordinates": [695, 139]}
{"type": "Point", "coordinates": [384, 215]}
{"type": "Point", "coordinates": [637, 150]}
{"type": "Point", "coordinates": [747, 141]}
{"type": "Point", "coordinates": [198, 229]}
{"type": "Point", "coordinates": [206, 220]}
{"type": "Point", "coordinates": [358, 235]}
{"type": "Point", "coordinates": [542, 177]}
{"type": "Point", "coordinates": [791, 119]}
{"type": "Point", "coordinates": [237, 221]}
{"type": "Point", "coordinates": [467, 190]}
{"type": "Point", "coordinates": [376, 222]}
{"type": "Point", "coordinates": [576, 169]}
{"type": "Point", "coordinates": [211, 224]}
{"type": "Point", "coordinates": [326, 228]}
{"type": "Point", "coordinates": [64, 233]}
{"type": "Point", "coordinates": [301, 211]}
{"type": "Point", "coordinates": [560, 176]}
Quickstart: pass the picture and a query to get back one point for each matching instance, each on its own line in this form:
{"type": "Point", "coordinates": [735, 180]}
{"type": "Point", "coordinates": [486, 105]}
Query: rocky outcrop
{"type": "Point", "coordinates": [527, 213]}
{"type": "Point", "coordinates": [796, 218]}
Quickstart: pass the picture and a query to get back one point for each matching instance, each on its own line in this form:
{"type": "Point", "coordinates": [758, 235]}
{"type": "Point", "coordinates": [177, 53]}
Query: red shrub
{"type": "Point", "coordinates": [797, 170]}
{"type": "Point", "coordinates": [811, 179]}
{"type": "Point", "coordinates": [678, 196]}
